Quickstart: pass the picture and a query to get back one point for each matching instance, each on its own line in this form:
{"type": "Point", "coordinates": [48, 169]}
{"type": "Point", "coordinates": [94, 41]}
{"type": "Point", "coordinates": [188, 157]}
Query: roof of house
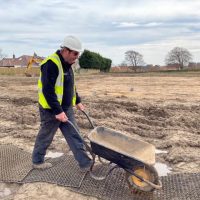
{"type": "Point", "coordinates": [21, 61]}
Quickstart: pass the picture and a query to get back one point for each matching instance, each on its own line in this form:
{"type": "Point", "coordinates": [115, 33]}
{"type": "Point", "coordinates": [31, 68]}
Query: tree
{"type": "Point", "coordinates": [134, 58]}
{"type": "Point", "coordinates": [178, 55]}
{"type": "Point", "coordinates": [123, 64]}
{"type": "Point", "coordinates": [1, 54]}
{"type": "Point", "coordinates": [92, 60]}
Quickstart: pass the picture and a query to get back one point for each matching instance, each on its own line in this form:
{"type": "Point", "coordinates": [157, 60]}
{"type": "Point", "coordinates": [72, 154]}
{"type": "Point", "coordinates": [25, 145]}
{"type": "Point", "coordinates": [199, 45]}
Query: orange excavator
{"type": "Point", "coordinates": [34, 60]}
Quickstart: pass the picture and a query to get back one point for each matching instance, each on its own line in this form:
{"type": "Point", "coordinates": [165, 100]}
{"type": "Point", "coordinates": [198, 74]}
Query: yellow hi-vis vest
{"type": "Point", "coordinates": [58, 85]}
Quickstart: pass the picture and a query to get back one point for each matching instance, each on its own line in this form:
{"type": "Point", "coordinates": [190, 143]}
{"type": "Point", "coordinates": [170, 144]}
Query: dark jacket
{"type": "Point", "coordinates": [49, 75]}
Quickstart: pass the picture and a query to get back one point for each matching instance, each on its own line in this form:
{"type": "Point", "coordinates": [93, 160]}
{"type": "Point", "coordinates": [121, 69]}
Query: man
{"type": "Point", "coordinates": [57, 96]}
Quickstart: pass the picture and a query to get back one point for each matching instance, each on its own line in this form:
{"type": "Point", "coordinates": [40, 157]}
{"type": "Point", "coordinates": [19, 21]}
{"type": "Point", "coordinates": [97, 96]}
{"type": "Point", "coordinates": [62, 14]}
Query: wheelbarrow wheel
{"type": "Point", "coordinates": [148, 173]}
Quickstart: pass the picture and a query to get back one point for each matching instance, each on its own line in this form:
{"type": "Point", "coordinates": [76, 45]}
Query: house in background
{"type": "Point", "coordinates": [170, 67]}
{"type": "Point", "coordinates": [21, 61]}
{"type": "Point", "coordinates": [193, 65]}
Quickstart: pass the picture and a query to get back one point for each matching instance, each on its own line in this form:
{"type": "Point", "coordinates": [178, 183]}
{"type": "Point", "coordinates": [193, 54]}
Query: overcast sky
{"type": "Point", "coordinates": [109, 27]}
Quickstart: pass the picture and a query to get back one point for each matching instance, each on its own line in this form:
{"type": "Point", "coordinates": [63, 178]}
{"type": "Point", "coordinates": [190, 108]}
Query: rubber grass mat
{"type": "Point", "coordinates": [15, 164]}
{"type": "Point", "coordinates": [65, 172]}
{"type": "Point", "coordinates": [184, 186]}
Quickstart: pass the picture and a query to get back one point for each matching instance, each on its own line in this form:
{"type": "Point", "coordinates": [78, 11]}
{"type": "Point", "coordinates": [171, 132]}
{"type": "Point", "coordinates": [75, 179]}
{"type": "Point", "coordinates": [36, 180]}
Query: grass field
{"type": "Point", "coordinates": [21, 71]}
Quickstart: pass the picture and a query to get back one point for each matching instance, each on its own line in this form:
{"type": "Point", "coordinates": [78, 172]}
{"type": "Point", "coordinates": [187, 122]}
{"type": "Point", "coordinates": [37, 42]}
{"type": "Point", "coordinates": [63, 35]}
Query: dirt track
{"type": "Point", "coordinates": [164, 111]}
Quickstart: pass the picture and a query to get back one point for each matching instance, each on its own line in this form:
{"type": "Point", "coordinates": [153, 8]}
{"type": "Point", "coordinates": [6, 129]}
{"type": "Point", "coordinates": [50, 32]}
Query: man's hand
{"type": "Point", "coordinates": [80, 106]}
{"type": "Point", "coordinates": [62, 117]}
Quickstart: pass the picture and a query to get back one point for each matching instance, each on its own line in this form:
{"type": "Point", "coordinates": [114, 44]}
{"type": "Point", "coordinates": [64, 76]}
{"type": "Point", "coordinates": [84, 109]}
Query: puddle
{"type": "Point", "coordinates": [160, 151]}
{"type": "Point", "coordinates": [54, 154]}
{"type": "Point", "coordinates": [162, 169]}
{"type": "Point", "coordinates": [5, 192]}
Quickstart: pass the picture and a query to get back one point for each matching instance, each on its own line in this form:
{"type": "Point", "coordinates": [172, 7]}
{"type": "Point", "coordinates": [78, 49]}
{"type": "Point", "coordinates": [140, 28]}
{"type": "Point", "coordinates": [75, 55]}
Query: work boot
{"type": "Point", "coordinates": [44, 165]}
{"type": "Point", "coordinates": [87, 168]}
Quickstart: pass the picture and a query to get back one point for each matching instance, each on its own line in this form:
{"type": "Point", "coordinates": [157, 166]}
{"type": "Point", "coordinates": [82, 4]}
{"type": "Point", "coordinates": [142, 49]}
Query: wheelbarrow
{"type": "Point", "coordinates": [136, 157]}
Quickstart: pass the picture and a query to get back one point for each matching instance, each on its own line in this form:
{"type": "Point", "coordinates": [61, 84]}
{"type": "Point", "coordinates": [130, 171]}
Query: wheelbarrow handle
{"type": "Point", "coordinates": [99, 178]}
{"type": "Point", "coordinates": [86, 145]}
{"type": "Point", "coordinates": [91, 123]}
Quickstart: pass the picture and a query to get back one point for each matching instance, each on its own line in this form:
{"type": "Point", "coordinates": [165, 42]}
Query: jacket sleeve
{"type": "Point", "coordinates": [49, 76]}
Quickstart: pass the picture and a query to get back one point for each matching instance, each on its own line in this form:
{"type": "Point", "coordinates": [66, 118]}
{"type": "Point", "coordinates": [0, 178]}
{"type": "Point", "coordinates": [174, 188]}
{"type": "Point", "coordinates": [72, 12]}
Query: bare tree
{"type": "Point", "coordinates": [180, 56]}
{"type": "Point", "coordinates": [123, 63]}
{"type": "Point", "coordinates": [134, 58]}
{"type": "Point", "coordinates": [1, 54]}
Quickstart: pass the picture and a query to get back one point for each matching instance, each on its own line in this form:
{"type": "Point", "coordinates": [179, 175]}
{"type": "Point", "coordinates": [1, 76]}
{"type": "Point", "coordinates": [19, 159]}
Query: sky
{"type": "Point", "coordinates": [108, 27]}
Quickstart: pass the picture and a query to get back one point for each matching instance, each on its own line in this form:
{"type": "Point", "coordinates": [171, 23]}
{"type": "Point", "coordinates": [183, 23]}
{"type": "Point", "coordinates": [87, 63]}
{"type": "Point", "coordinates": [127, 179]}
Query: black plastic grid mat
{"type": "Point", "coordinates": [15, 164]}
{"type": "Point", "coordinates": [65, 172]}
{"type": "Point", "coordinates": [184, 186]}
{"type": "Point", "coordinates": [16, 167]}
{"type": "Point", "coordinates": [114, 187]}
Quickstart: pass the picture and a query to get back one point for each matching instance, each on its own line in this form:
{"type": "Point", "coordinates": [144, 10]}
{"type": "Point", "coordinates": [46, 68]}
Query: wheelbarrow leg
{"type": "Point", "coordinates": [100, 178]}
{"type": "Point", "coordinates": [104, 162]}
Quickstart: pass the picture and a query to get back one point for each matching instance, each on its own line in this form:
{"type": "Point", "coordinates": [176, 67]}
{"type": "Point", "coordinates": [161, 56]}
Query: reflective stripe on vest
{"type": "Point", "coordinates": [58, 85]}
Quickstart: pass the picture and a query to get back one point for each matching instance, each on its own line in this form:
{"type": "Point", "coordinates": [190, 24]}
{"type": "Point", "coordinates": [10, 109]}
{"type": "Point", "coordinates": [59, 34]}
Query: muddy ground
{"type": "Point", "coordinates": [162, 110]}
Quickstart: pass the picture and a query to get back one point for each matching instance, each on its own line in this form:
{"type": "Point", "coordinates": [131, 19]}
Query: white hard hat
{"type": "Point", "coordinates": [72, 43]}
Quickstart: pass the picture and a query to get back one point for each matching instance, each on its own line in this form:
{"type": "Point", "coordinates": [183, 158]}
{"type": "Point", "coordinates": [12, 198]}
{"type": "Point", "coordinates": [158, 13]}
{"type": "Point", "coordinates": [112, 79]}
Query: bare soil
{"type": "Point", "coordinates": [163, 111]}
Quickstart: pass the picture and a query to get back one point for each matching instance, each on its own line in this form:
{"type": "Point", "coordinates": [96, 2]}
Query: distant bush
{"type": "Point", "coordinates": [92, 60]}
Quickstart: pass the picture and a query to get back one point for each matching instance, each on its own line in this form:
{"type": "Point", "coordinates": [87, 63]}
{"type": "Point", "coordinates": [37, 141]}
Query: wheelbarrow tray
{"type": "Point", "coordinates": [120, 148]}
